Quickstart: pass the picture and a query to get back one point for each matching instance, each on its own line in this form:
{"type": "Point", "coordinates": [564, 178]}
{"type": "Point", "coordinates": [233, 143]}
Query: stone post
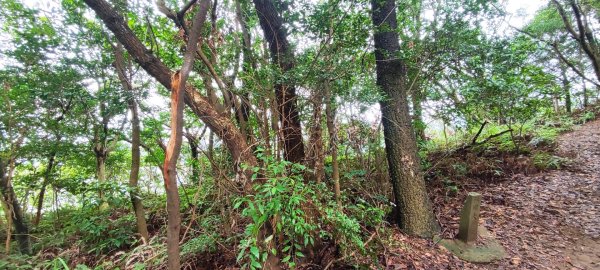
{"type": "Point", "coordinates": [469, 218]}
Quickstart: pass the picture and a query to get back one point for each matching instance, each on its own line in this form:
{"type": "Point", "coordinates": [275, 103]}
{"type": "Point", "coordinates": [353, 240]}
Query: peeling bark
{"type": "Point", "coordinates": [200, 105]}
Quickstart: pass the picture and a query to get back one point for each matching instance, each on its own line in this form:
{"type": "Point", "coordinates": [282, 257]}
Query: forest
{"type": "Point", "coordinates": [281, 134]}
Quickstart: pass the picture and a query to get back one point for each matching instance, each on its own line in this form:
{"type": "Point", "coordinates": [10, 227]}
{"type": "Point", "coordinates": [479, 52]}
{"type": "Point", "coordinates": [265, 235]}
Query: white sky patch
{"type": "Point", "coordinates": [522, 11]}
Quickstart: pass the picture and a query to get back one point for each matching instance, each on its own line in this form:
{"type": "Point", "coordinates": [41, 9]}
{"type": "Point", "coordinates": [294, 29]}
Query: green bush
{"type": "Point", "coordinates": [285, 205]}
{"type": "Point", "coordinates": [586, 117]}
{"type": "Point", "coordinates": [101, 233]}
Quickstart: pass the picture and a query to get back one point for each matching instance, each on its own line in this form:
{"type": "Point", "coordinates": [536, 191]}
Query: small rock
{"type": "Point", "coordinates": [515, 261]}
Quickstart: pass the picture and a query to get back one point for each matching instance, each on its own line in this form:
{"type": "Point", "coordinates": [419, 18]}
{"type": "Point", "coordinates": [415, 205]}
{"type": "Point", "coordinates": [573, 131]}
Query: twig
{"type": "Point", "coordinates": [474, 141]}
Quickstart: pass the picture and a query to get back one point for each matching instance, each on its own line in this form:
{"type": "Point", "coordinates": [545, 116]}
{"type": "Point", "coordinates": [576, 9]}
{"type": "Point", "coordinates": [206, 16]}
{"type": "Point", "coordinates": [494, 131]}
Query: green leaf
{"type": "Point", "coordinates": [256, 264]}
{"type": "Point", "coordinates": [254, 251]}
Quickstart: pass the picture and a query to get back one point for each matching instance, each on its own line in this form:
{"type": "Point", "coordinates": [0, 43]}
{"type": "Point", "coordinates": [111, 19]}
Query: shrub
{"type": "Point", "coordinates": [295, 209]}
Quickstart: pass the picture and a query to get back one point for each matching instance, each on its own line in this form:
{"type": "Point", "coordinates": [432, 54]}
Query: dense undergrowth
{"type": "Point", "coordinates": [307, 228]}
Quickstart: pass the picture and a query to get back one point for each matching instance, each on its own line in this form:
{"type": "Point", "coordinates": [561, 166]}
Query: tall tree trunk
{"type": "Point", "coordinates": [9, 198]}
{"type": "Point", "coordinates": [583, 82]}
{"type": "Point", "coordinates": [330, 115]}
{"type": "Point", "coordinates": [101, 150]}
{"type": "Point", "coordinates": [47, 174]}
{"type": "Point", "coordinates": [285, 92]}
{"type": "Point", "coordinates": [174, 147]}
{"type": "Point", "coordinates": [125, 79]}
{"type": "Point", "coordinates": [101, 155]}
{"type": "Point", "coordinates": [566, 89]}
{"type": "Point", "coordinates": [136, 201]}
{"type": "Point", "coordinates": [414, 213]}
{"type": "Point", "coordinates": [316, 154]}
{"type": "Point", "coordinates": [193, 142]}
{"type": "Point", "coordinates": [170, 176]}
{"type": "Point", "coordinates": [249, 62]}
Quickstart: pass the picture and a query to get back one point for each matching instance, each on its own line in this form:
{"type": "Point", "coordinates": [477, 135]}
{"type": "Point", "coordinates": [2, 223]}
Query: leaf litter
{"type": "Point", "coordinates": [545, 220]}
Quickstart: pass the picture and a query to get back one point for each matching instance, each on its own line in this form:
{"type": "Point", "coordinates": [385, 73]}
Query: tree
{"type": "Point", "coordinates": [282, 56]}
{"type": "Point", "coordinates": [132, 103]}
{"type": "Point", "coordinates": [15, 212]}
{"type": "Point", "coordinates": [413, 209]}
{"type": "Point", "coordinates": [199, 104]}
{"type": "Point", "coordinates": [583, 34]}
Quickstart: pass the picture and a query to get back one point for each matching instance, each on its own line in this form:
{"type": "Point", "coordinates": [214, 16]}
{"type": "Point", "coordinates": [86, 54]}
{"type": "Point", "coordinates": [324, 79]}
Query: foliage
{"type": "Point", "coordinates": [285, 205]}
{"type": "Point", "coordinates": [545, 161]}
{"type": "Point", "coordinates": [61, 99]}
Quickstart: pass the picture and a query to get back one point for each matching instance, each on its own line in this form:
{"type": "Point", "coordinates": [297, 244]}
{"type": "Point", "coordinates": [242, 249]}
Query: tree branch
{"type": "Point", "coordinates": [219, 124]}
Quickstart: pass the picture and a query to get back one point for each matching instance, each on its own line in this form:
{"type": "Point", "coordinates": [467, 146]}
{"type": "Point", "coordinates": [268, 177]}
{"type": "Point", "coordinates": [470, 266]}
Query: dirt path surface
{"type": "Point", "coordinates": [552, 220]}
{"type": "Point", "coordinates": [548, 220]}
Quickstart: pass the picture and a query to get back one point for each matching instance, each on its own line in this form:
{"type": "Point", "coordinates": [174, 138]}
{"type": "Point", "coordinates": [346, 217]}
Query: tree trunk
{"type": "Point", "coordinates": [193, 142]}
{"type": "Point", "coordinates": [40, 203]}
{"type": "Point", "coordinates": [316, 153]}
{"type": "Point", "coordinates": [583, 82]}
{"type": "Point", "coordinates": [330, 115]}
{"type": "Point", "coordinates": [414, 213]}
{"type": "Point", "coordinates": [178, 86]}
{"type": "Point", "coordinates": [582, 34]}
{"type": "Point", "coordinates": [136, 201]}
{"type": "Point", "coordinates": [285, 92]}
{"type": "Point", "coordinates": [9, 198]}
{"type": "Point", "coordinates": [170, 177]}
{"type": "Point", "coordinates": [249, 63]}
{"type": "Point", "coordinates": [566, 89]}
{"type": "Point", "coordinates": [101, 155]}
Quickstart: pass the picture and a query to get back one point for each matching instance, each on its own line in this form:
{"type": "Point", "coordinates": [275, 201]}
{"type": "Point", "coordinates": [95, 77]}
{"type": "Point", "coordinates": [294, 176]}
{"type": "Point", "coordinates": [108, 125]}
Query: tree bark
{"type": "Point", "coordinates": [136, 201]}
{"type": "Point", "coordinates": [174, 146]}
{"type": "Point", "coordinates": [316, 153]}
{"type": "Point", "coordinates": [40, 203]}
{"type": "Point", "coordinates": [193, 142]}
{"type": "Point", "coordinates": [285, 92]}
{"type": "Point", "coordinates": [101, 150]}
{"type": "Point", "coordinates": [249, 63]}
{"type": "Point", "coordinates": [218, 123]}
{"type": "Point", "coordinates": [414, 213]}
{"type": "Point", "coordinates": [330, 115]}
{"type": "Point", "coordinates": [583, 34]}
{"type": "Point", "coordinates": [101, 155]}
{"type": "Point", "coordinates": [566, 88]}
{"type": "Point", "coordinates": [9, 198]}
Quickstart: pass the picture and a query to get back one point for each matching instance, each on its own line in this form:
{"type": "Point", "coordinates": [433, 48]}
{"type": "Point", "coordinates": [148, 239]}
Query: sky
{"type": "Point", "coordinates": [523, 10]}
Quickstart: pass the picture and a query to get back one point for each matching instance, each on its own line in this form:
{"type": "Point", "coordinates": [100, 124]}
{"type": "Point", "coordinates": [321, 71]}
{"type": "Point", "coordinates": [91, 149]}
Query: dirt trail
{"type": "Point", "coordinates": [549, 220]}
{"type": "Point", "coordinates": [552, 220]}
